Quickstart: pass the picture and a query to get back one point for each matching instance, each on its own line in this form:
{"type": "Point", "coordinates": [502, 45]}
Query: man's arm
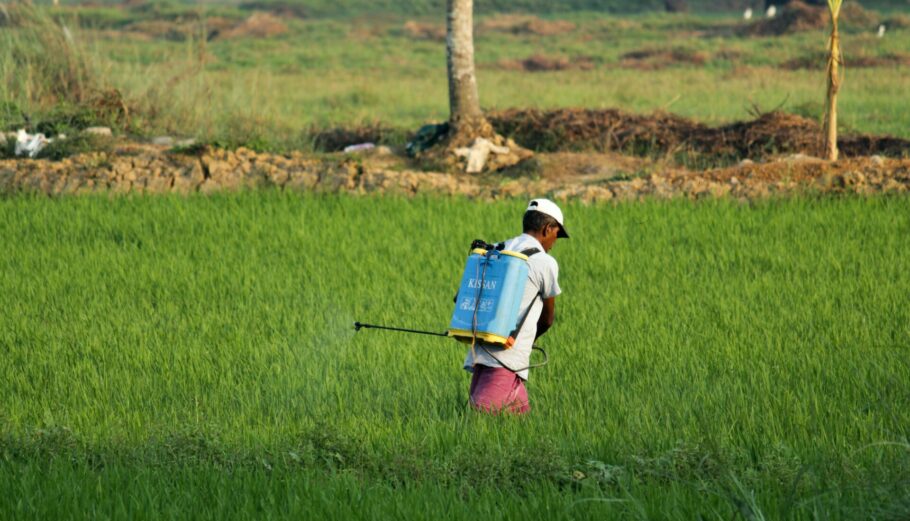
{"type": "Point", "coordinates": [546, 316]}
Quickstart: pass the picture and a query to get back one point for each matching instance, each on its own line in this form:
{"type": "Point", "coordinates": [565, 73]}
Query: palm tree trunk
{"type": "Point", "coordinates": [465, 116]}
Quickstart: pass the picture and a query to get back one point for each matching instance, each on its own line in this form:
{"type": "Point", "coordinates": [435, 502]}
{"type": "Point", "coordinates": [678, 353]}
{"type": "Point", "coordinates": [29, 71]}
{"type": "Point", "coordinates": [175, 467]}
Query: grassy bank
{"type": "Point", "coordinates": [708, 359]}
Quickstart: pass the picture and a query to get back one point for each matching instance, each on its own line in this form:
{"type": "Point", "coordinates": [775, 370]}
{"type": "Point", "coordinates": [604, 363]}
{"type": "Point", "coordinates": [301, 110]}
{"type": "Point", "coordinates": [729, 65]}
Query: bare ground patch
{"type": "Point", "coordinates": [257, 25]}
{"type": "Point", "coordinates": [544, 63]}
{"type": "Point", "coordinates": [526, 25]}
{"type": "Point", "coordinates": [655, 59]}
{"type": "Point", "coordinates": [425, 31]}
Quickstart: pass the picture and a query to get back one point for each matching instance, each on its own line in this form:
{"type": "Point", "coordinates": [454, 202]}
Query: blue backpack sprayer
{"type": "Point", "coordinates": [488, 302]}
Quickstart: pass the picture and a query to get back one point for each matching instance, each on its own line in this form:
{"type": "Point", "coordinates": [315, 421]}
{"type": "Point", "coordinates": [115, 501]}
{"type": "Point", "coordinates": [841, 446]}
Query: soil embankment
{"type": "Point", "coordinates": [145, 169]}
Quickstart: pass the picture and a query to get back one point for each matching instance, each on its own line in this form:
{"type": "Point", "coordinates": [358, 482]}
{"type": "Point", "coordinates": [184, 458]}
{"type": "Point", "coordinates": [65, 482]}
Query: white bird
{"type": "Point", "coordinates": [772, 11]}
{"type": "Point", "coordinates": [748, 14]}
{"type": "Point", "coordinates": [881, 31]}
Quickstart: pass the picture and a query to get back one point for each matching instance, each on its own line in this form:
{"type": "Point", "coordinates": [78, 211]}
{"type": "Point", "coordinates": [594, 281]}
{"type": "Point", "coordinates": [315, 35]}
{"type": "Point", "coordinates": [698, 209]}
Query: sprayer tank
{"type": "Point", "coordinates": [493, 285]}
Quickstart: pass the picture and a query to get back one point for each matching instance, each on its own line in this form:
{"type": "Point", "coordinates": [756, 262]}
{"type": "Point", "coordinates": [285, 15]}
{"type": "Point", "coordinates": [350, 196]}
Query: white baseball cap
{"type": "Point", "coordinates": [548, 207]}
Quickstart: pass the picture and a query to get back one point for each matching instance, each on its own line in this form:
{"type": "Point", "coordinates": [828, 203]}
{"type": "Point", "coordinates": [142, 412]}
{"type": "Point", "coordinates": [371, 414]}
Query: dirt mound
{"type": "Point", "coordinates": [798, 16]}
{"type": "Point", "coordinates": [854, 15]}
{"type": "Point", "coordinates": [258, 25]}
{"type": "Point", "coordinates": [543, 63]}
{"type": "Point", "coordinates": [280, 9]}
{"type": "Point", "coordinates": [177, 30]}
{"type": "Point", "coordinates": [898, 21]}
{"type": "Point", "coordinates": [425, 31]}
{"type": "Point", "coordinates": [676, 6]}
{"type": "Point", "coordinates": [654, 59]}
{"type": "Point", "coordinates": [666, 134]}
{"type": "Point", "coordinates": [795, 17]}
{"type": "Point", "coordinates": [818, 61]}
{"type": "Point", "coordinates": [521, 24]}
{"type": "Point", "coordinates": [866, 145]}
{"type": "Point", "coordinates": [769, 134]}
{"type": "Point", "coordinates": [587, 129]}
{"type": "Point", "coordinates": [731, 55]}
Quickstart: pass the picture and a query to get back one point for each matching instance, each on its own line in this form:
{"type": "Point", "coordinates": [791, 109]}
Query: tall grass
{"type": "Point", "coordinates": [707, 359]}
{"type": "Point", "coordinates": [41, 62]}
{"type": "Point", "coordinates": [44, 69]}
{"type": "Point", "coordinates": [53, 78]}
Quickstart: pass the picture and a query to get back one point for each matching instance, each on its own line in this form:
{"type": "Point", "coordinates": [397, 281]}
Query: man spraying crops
{"type": "Point", "coordinates": [499, 374]}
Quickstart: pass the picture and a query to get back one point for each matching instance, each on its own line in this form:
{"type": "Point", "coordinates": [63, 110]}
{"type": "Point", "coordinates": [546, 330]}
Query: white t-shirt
{"type": "Point", "coordinates": [543, 275]}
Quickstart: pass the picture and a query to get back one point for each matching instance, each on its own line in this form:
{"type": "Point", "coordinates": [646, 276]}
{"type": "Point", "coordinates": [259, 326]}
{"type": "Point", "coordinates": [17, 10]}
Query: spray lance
{"type": "Point", "coordinates": [488, 302]}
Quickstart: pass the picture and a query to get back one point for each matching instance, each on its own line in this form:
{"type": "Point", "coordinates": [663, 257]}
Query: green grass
{"type": "Point", "coordinates": [199, 492]}
{"type": "Point", "coordinates": [328, 73]}
{"type": "Point", "coordinates": [160, 356]}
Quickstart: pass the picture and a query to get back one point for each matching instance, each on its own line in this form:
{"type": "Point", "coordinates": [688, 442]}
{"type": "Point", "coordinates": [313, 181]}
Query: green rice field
{"type": "Point", "coordinates": [195, 358]}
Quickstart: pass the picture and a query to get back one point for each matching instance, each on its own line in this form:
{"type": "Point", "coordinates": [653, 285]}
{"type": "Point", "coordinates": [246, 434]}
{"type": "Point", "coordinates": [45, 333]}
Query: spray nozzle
{"type": "Point", "coordinates": [357, 326]}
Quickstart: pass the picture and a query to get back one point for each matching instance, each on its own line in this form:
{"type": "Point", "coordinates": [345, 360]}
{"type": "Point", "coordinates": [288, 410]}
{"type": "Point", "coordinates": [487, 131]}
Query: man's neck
{"type": "Point", "coordinates": [537, 236]}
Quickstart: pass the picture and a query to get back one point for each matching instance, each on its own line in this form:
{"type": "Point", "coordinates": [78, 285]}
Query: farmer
{"type": "Point", "coordinates": [494, 385]}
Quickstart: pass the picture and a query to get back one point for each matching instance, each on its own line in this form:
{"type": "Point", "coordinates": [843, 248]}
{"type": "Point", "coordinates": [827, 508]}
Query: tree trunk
{"type": "Point", "coordinates": [833, 87]}
{"type": "Point", "coordinates": [465, 117]}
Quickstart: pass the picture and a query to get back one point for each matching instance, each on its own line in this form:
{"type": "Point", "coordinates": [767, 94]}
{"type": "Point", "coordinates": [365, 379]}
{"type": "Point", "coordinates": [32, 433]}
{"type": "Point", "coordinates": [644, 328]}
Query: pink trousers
{"type": "Point", "coordinates": [494, 389]}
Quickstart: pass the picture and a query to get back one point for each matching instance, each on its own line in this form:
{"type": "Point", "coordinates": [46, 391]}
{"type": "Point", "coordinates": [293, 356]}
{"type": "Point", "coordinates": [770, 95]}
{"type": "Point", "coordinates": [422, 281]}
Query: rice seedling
{"type": "Point", "coordinates": [169, 355]}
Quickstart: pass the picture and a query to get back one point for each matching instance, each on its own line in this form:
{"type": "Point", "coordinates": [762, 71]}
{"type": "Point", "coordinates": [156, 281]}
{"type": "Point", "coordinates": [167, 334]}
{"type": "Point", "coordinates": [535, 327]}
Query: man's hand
{"type": "Point", "coordinates": [546, 316]}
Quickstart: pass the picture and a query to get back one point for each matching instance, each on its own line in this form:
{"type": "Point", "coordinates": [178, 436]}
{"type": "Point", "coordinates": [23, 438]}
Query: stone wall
{"type": "Point", "coordinates": [151, 171]}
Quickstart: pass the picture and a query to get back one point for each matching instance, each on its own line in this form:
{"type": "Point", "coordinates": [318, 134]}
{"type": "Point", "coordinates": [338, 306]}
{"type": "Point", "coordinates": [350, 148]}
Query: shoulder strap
{"type": "Point", "coordinates": [521, 323]}
{"type": "Point", "coordinates": [530, 251]}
